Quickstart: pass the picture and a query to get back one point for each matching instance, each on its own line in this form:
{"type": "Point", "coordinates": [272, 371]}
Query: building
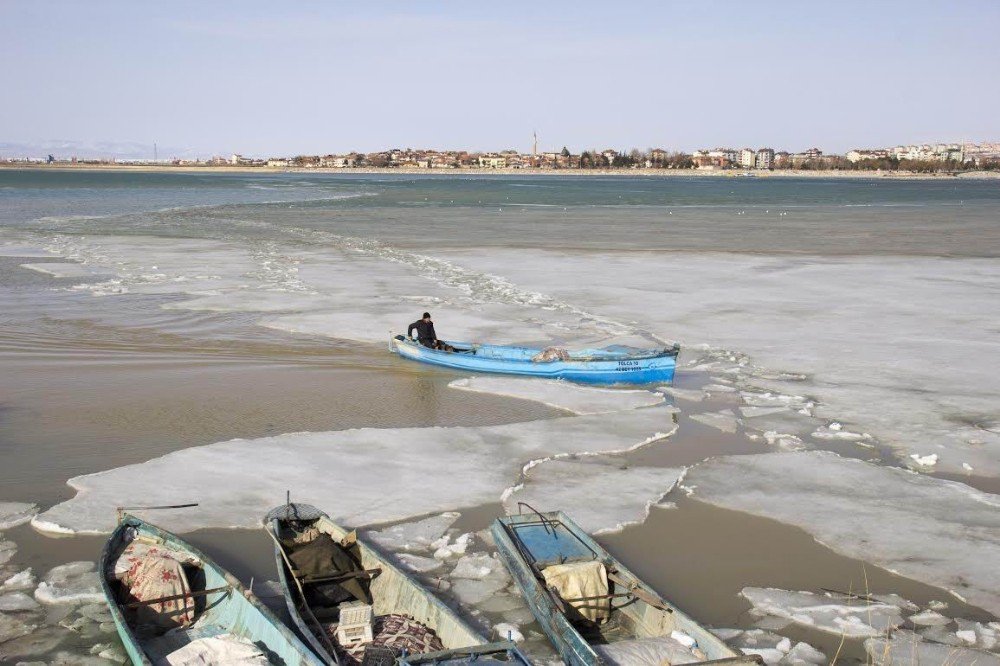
{"type": "Point", "coordinates": [854, 156]}
{"type": "Point", "coordinates": [492, 161]}
{"type": "Point", "coordinates": [765, 158]}
{"type": "Point", "coordinates": [748, 158]}
{"type": "Point", "coordinates": [277, 162]}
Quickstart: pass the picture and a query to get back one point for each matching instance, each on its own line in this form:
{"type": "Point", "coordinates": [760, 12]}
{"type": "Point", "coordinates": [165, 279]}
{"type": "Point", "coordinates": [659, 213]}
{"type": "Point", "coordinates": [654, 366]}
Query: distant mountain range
{"type": "Point", "coordinates": [65, 149]}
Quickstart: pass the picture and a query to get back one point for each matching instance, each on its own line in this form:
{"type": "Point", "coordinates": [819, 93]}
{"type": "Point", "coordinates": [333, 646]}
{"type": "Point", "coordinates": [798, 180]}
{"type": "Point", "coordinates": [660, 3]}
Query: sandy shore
{"type": "Point", "coordinates": [407, 171]}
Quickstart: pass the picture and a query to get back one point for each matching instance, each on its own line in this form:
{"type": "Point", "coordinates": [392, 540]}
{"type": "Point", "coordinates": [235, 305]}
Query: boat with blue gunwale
{"type": "Point", "coordinates": [593, 609]}
{"type": "Point", "coordinates": [424, 630]}
{"type": "Point", "coordinates": [205, 616]}
{"type": "Point", "coordinates": [616, 364]}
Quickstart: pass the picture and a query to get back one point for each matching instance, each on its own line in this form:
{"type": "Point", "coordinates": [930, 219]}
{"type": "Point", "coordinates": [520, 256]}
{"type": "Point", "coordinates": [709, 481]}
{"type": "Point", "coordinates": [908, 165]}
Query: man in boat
{"type": "Point", "coordinates": [425, 331]}
{"type": "Point", "coordinates": [426, 335]}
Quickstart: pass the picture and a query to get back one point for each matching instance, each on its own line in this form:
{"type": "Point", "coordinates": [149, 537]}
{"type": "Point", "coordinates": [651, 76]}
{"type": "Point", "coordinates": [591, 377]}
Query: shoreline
{"type": "Point", "coordinates": [474, 171]}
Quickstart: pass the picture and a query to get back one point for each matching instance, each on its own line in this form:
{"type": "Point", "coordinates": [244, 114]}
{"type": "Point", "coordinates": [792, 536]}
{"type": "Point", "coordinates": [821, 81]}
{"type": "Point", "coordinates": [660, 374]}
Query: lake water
{"type": "Point", "coordinates": [150, 313]}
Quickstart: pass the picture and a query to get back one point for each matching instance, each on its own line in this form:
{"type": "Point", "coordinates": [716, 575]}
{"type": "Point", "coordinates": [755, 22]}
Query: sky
{"type": "Point", "coordinates": [279, 78]}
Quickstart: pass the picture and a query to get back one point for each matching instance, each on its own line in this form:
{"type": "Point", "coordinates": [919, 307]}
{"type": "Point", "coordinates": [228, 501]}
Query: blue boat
{"type": "Point", "coordinates": [213, 612]}
{"type": "Point", "coordinates": [610, 365]}
{"type": "Point", "coordinates": [316, 600]}
{"type": "Point", "coordinates": [593, 609]}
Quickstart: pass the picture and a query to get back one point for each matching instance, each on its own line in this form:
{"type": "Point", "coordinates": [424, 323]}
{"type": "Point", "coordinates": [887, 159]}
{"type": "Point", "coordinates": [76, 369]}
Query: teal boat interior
{"type": "Point", "coordinates": [168, 599]}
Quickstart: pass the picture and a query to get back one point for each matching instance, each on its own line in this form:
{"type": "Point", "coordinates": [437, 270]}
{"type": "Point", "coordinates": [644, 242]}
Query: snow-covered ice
{"type": "Point", "coordinates": [824, 613]}
{"type": "Point", "coordinates": [366, 475]}
{"type": "Point", "coordinates": [940, 385]}
{"type": "Point", "coordinates": [939, 532]}
{"type": "Point", "coordinates": [562, 395]}
{"type": "Point", "coordinates": [21, 580]}
{"type": "Point", "coordinates": [17, 601]}
{"type": "Point", "coordinates": [602, 494]}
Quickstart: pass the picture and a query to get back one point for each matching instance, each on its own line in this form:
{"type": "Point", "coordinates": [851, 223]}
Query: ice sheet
{"type": "Point", "coordinates": [823, 613]}
{"type": "Point", "coordinates": [823, 319]}
{"type": "Point", "coordinates": [600, 494]}
{"type": "Point", "coordinates": [63, 270]}
{"type": "Point", "coordinates": [940, 532]}
{"type": "Point", "coordinates": [562, 395]}
{"type": "Point", "coordinates": [723, 420]}
{"type": "Point", "coordinates": [364, 476]}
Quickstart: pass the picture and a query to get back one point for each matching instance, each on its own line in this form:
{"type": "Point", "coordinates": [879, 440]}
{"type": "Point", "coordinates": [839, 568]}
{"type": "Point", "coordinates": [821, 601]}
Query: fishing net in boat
{"type": "Point", "coordinates": [398, 632]}
{"type": "Point", "coordinates": [550, 354]}
{"type": "Point", "coordinates": [293, 511]}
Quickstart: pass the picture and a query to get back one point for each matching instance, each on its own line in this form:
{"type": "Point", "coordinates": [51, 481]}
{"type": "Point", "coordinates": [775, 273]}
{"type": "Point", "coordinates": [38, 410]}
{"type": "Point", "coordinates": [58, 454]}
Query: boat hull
{"type": "Point", "coordinates": [234, 609]}
{"type": "Point", "coordinates": [615, 369]}
{"type": "Point", "coordinates": [524, 549]}
{"type": "Point", "coordinates": [394, 590]}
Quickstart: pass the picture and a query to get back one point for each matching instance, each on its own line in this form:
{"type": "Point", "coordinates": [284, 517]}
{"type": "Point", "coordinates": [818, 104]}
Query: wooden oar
{"type": "Point", "coordinates": [638, 592]}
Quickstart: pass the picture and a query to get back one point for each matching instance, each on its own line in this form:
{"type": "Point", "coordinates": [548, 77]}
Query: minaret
{"type": "Point", "coordinates": [534, 147]}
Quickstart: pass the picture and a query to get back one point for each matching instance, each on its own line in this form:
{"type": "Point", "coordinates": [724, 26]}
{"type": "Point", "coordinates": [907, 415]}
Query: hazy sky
{"type": "Point", "coordinates": [267, 78]}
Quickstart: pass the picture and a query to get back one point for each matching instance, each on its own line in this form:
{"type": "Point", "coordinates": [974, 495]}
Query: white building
{"type": "Point", "coordinates": [765, 158]}
{"type": "Point", "coordinates": [748, 158]}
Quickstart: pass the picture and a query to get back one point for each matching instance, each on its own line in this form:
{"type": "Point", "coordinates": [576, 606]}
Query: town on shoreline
{"type": "Point", "coordinates": [905, 161]}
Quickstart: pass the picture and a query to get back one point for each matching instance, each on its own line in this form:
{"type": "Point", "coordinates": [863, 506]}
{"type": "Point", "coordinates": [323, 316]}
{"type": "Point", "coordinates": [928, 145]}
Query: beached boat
{"type": "Point", "coordinates": [327, 574]}
{"type": "Point", "coordinates": [609, 365]}
{"type": "Point", "coordinates": [593, 609]}
{"type": "Point", "coordinates": [169, 599]}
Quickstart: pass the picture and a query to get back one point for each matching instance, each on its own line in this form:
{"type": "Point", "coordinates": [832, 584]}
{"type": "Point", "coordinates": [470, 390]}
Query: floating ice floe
{"type": "Point", "coordinates": [445, 549]}
{"type": "Point", "coordinates": [824, 613]}
{"type": "Point", "coordinates": [925, 461]}
{"type": "Point", "coordinates": [366, 475]}
{"type": "Point", "coordinates": [73, 583]}
{"type": "Point", "coordinates": [13, 514]}
{"type": "Point", "coordinates": [605, 494]}
{"type": "Point", "coordinates": [906, 648]}
{"type": "Point", "coordinates": [929, 618]}
{"type": "Point", "coordinates": [39, 642]}
{"type": "Point", "coordinates": [724, 420]}
{"type": "Point", "coordinates": [691, 395]}
{"type": "Point", "coordinates": [772, 648]}
{"type": "Point", "coordinates": [7, 551]}
{"type": "Point", "coordinates": [22, 580]}
{"type": "Point", "coordinates": [17, 601]}
{"type": "Point", "coordinates": [418, 563]}
{"type": "Point", "coordinates": [417, 535]}
{"type": "Point", "coordinates": [940, 532]}
{"type": "Point", "coordinates": [562, 395]}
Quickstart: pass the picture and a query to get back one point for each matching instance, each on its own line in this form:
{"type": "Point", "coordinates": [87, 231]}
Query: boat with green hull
{"type": "Point", "coordinates": [353, 574]}
{"type": "Point", "coordinates": [207, 615]}
{"type": "Point", "coordinates": [593, 609]}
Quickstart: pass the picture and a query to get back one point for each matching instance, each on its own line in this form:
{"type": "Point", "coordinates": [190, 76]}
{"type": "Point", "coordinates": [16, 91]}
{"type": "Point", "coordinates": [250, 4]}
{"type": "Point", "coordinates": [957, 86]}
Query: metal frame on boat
{"type": "Point", "coordinates": [224, 605]}
{"type": "Point", "coordinates": [611, 365]}
{"type": "Point", "coordinates": [531, 542]}
{"type": "Point", "coordinates": [392, 591]}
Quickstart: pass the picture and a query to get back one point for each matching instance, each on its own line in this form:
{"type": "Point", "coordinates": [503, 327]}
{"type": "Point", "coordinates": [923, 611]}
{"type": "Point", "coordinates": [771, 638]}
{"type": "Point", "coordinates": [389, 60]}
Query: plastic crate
{"type": "Point", "coordinates": [355, 626]}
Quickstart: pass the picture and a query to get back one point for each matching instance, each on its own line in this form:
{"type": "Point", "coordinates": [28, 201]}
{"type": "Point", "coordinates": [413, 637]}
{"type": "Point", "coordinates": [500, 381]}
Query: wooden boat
{"type": "Point", "coordinates": [609, 365]}
{"type": "Point", "coordinates": [212, 612]}
{"type": "Point", "coordinates": [593, 609]}
{"type": "Point", "coordinates": [316, 598]}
